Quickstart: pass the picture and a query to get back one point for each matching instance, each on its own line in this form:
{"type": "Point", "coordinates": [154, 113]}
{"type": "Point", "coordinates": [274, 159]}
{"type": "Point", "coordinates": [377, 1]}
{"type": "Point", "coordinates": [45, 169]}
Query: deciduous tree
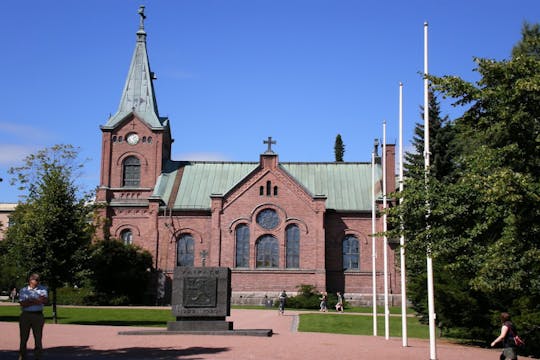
{"type": "Point", "coordinates": [50, 231]}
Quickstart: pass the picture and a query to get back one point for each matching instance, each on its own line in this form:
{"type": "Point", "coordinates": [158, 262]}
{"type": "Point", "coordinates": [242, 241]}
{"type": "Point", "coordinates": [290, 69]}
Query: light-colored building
{"type": "Point", "coordinates": [5, 210]}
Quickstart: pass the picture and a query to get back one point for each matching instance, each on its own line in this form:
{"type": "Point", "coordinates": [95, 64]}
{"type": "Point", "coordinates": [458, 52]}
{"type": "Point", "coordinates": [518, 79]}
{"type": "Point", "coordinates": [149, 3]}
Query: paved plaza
{"type": "Point", "coordinates": [93, 342]}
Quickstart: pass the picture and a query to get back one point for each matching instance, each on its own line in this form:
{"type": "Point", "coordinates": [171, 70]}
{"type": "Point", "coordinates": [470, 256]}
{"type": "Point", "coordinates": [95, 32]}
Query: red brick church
{"type": "Point", "coordinates": [275, 224]}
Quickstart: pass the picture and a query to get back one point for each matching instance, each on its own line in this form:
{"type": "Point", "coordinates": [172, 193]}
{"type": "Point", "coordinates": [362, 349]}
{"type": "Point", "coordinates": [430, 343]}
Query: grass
{"type": "Point", "coordinates": [98, 316]}
{"type": "Point", "coordinates": [359, 325]}
{"type": "Point", "coordinates": [318, 322]}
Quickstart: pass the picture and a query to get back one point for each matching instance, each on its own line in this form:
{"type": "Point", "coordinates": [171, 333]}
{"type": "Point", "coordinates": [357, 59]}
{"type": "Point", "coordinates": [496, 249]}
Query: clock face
{"type": "Point", "coordinates": [132, 138]}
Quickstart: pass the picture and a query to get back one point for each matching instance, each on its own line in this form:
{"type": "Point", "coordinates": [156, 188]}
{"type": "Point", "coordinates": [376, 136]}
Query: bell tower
{"type": "Point", "coordinates": [136, 141]}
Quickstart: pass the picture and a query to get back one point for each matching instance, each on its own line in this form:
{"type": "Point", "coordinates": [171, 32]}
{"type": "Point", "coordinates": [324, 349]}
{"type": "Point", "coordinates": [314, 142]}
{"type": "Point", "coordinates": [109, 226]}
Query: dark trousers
{"type": "Point", "coordinates": [35, 321]}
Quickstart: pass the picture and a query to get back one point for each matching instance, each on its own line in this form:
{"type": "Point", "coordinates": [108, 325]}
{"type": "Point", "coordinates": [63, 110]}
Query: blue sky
{"type": "Point", "coordinates": [232, 73]}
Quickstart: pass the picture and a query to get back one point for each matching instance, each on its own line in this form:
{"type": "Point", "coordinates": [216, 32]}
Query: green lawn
{"type": "Point", "coordinates": [359, 325]}
{"type": "Point", "coordinates": [98, 316]}
{"type": "Point", "coordinates": [318, 322]}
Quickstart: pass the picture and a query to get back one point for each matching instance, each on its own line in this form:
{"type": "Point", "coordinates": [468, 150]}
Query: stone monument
{"type": "Point", "coordinates": [201, 299]}
{"type": "Point", "coordinates": [201, 302]}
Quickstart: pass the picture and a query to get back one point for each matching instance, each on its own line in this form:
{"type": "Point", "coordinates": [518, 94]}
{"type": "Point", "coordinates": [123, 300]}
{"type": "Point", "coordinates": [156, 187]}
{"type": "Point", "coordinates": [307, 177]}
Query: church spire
{"type": "Point", "coordinates": [138, 96]}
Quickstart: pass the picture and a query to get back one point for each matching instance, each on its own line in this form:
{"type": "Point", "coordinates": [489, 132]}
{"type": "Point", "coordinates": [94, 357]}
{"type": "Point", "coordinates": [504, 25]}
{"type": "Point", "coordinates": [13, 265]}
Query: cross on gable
{"type": "Point", "coordinates": [270, 142]}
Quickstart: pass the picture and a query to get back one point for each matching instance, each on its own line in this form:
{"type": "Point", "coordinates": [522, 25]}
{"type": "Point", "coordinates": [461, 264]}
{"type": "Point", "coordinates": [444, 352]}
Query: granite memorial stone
{"type": "Point", "coordinates": [201, 299]}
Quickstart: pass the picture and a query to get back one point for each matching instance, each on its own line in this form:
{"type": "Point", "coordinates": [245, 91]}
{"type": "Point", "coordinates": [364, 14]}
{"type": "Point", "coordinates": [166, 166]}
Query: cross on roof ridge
{"type": "Point", "coordinates": [269, 142]}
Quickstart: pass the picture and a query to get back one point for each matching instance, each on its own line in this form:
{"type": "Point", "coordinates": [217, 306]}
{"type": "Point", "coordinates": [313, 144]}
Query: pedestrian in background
{"type": "Point", "coordinates": [282, 299]}
{"type": "Point", "coordinates": [339, 305]}
{"type": "Point", "coordinates": [13, 294]}
{"type": "Point", "coordinates": [324, 302]}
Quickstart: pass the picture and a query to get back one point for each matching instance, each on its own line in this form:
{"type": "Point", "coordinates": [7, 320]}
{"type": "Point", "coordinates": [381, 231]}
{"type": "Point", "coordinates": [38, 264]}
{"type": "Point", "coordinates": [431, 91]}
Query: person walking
{"type": "Point", "coordinates": [13, 294]}
{"type": "Point", "coordinates": [282, 299]}
{"type": "Point", "coordinates": [324, 302]}
{"type": "Point", "coordinates": [31, 299]}
{"type": "Point", "coordinates": [507, 337]}
{"type": "Point", "coordinates": [339, 305]}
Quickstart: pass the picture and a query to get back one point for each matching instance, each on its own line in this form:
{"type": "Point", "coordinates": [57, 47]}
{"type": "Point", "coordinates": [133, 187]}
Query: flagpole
{"type": "Point", "coordinates": [429, 260]}
{"type": "Point", "coordinates": [373, 241]}
{"type": "Point", "coordinates": [402, 236]}
{"type": "Point", "coordinates": [385, 242]}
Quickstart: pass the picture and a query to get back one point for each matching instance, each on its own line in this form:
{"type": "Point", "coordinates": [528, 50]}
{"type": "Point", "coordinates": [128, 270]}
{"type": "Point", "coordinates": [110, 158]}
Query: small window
{"type": "Point", "coordinates": [185, 250]}
{"type": "Point", "coordinates": [275, 191]}
{"type": "Point", "coordinates": [120, 139]}
{"type": "Point", "coordinates": [127, 237]}
{"type": "Point", "coordinates": [149, 139]}
{"type": "Point", "coordinates": [242, 246]}
{"type": "Point", "coordinates": [261, 190]}
{"type": "Point", "coordinates": [351, 252]}
{"type": "Point", "coordinates": [292, 239]}
{"type": "Point", "coordinates": [267, 252]}
{"type": "Point", "coordinates": [132, 172]}
{"type": "Point", "coordinates": [268, 188]}
{"type": "Point", "coordinates": [144, 139]}
{"type": "Point", "coordinates": [114, 139]}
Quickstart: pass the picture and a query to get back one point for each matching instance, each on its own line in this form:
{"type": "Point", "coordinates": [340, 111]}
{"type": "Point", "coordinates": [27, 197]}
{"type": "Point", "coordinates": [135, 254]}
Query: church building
{"type": "Point", "coordinates": [275, 224]}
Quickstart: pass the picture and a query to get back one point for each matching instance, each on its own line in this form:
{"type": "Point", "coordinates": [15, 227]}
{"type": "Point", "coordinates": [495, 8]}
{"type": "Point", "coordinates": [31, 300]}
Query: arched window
{"type": "Point", "coordinates": [185, 250]}
{"type": "Point", "coordinates": [127, 237]}
{"type": "Point", "coordinates": [268, 188]}
{"type": "Point", "coordinates": [292, 239]}
{"type": "Point", "coordinates": [242, 246]}
{"type": "Point", "coordinates": [351, 252]}
{"type": "Point", "coordinates": [132, 172]}
{"type": "Point", "coordinates": [267, 252]}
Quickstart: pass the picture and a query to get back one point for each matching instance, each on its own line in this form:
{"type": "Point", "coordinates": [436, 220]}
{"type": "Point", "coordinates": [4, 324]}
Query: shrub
{"type": "Point", "coordinates": [72, 296]}
{"type": "Point", "coordinates": [308, 298]}
{"type": "Point", "coordinates": [121, 274]}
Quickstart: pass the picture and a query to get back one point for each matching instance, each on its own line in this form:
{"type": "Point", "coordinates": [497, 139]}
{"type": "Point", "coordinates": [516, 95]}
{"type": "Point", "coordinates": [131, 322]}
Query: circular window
{"type": "Point", "coordinates": [268, 219]}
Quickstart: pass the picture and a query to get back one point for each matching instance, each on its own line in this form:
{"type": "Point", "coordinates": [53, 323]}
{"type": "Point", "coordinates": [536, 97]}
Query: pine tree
{"type": "Point", "coordinates": [484, 199]}
{"type": "Point", "coordinates": [339, 149]}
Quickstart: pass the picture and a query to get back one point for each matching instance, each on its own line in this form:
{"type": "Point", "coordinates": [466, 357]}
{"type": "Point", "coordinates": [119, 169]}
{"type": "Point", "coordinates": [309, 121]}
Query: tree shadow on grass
{"type": "Point", "coordinates": [139, 353]}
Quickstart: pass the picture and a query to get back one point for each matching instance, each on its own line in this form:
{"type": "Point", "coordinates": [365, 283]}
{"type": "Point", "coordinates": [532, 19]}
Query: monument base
{"type": "Point", "coordinates": [238, 332]}
{"type": "Point", "coordinates": [199, 325]}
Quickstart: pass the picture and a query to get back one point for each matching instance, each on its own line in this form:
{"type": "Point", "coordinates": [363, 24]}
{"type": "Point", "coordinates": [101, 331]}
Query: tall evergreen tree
{"type": "Point", "coordinates": [450, 290]}
{"type": "Point", "coordinates": [441, 133]}
{"type": "Point", "coordinates": [50, 231]}
{"type": "Point", "coordinates": [485, 217]}
{"type": "Point", "coordinates": [339, 149]}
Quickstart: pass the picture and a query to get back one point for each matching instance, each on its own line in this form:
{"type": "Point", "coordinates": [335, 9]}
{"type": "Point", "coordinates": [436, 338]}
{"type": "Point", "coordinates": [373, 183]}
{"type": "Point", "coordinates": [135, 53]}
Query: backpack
{"type": "Point", "coordinates": [517, 340]}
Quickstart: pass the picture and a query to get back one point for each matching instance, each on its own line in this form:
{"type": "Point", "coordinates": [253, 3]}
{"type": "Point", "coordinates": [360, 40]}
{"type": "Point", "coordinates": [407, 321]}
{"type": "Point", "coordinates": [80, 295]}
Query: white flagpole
{"type": "Point", "coordinates": [373, 243]}
{"type": "Point", "coordinates": [385, 242]}
{"type": "Point", "coordinates": [402, 236]}
{"type": "Point", "coordinates": [429, 261]}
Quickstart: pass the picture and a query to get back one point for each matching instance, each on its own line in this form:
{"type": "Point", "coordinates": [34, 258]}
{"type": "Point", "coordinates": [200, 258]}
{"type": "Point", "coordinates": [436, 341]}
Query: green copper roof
{"type": "Point", "coordinates": [347, 186]}
{"type": "Point", "coordinates": [138, 96]}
